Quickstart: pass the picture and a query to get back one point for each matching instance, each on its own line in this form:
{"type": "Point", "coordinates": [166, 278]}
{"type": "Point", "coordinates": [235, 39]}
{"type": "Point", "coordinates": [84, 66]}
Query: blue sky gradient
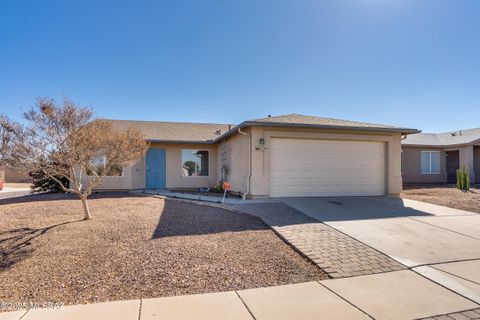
{"type": "Point", "coordinates": [401, 62]}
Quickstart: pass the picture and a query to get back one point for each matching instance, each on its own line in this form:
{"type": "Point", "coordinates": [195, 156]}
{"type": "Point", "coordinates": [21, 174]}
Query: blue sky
{"type": "Point", "coordinates": [408, 63]}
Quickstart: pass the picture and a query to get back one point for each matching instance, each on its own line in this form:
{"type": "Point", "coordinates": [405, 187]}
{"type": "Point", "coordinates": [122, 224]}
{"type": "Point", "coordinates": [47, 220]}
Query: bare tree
{"type": "Point", "coordinates": [68, 141]}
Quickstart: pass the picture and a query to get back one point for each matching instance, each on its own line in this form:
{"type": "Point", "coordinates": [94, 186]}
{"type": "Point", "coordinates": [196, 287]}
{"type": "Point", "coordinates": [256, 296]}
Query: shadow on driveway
{"type": "Point", "coordinates": [354, 208]}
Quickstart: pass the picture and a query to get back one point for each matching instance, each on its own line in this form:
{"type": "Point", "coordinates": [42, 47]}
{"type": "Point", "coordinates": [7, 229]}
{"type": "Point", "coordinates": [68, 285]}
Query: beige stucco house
{"type": "Point", "coordinates": [290, 155]}
{"type": "Point", "coordinates": [434, 158]}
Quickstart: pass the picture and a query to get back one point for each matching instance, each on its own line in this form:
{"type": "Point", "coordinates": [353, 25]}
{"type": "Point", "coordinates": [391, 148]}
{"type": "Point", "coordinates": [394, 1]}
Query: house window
{"type": "Point", "coordinates": [430, 162]}
{"type": "Point", "coordinates": [100, 163]}
{"type": "Point", "coordinates": [194, 163]}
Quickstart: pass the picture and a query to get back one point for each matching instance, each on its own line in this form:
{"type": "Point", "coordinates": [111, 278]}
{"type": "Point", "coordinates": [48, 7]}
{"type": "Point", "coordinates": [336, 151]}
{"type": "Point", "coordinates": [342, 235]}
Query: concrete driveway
{"type": "Point", "coordinates": [440, 243]}
{"type": "Point", "coordinates": [411, 232]}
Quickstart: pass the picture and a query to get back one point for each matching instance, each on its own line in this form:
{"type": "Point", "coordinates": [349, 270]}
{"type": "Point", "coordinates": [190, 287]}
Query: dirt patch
{"type": "Point", "coordinates": [135, 247]}
{"type": "Point", "coordinates": [445, 196]}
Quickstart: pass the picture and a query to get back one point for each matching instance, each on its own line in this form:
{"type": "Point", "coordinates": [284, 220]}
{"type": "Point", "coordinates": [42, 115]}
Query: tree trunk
{"type": "Point", "coordinates": [86, 209]}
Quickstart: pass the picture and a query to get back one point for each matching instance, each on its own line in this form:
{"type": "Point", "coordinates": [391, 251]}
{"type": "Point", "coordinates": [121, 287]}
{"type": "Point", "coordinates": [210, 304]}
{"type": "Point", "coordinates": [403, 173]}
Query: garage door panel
{"type": "Point", "coordinates": [303, 167]}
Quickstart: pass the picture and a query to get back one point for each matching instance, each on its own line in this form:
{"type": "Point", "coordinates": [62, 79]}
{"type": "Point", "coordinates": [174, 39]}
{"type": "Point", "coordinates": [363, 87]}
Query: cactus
{"type": "Point", "coordinates": [463, 179]}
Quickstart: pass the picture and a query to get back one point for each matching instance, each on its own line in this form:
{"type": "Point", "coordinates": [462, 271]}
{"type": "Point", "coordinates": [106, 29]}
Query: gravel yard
{"type": "Point", "coordinates": [135, 247]}
{"type": "Point", "coordinates": [448, 196]}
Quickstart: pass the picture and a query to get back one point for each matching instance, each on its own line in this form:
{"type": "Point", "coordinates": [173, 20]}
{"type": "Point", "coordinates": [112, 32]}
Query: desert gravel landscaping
{"type": "Point", "coordinates": [447, 196]}
{"type": "Point", "coordinates": [136, 247]}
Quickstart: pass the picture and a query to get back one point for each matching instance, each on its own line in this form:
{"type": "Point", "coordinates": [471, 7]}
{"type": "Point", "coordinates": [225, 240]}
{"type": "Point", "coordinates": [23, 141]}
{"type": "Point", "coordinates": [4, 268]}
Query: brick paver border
{"type": "Point", "coordinates": [472, 314]}
{"type": "Point", "coordinates": [338, 254]}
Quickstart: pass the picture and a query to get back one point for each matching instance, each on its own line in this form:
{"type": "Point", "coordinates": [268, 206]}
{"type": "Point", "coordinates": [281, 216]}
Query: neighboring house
{"type": "Point", "coordinates": [434, 158]}
{"type": "Point", "coordinates": [290, 155]}
{"type": "Point", "coordinates": [13, 175]}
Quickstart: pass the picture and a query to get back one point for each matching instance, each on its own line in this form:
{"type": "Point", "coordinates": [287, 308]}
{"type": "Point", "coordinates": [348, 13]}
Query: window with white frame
{"type": "Point", "coordinates": [430, 162]}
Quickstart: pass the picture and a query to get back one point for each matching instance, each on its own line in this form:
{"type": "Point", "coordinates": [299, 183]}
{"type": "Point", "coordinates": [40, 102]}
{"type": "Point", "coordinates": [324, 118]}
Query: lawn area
{"type": "Point", "coordinates": [135, 247]}
{"type": "Point", "coordinates": [448, 196]}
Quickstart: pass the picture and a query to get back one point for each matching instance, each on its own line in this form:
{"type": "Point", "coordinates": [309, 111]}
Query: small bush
{"type": "Point", "coordinates": [218, 187]}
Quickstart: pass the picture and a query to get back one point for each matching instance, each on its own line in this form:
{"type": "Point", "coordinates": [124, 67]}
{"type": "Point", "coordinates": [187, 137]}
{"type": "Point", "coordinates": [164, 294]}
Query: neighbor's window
{"type": "Point", "coordinates": [194, 163]}
{"type": "Point", "coordinates": [430, 162]}
{"type": "Point", "coordinates": [98, 165]}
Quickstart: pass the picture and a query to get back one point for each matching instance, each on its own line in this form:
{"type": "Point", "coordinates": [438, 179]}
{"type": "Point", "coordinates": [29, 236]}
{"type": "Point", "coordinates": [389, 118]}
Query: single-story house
{"type": "Point", "coordinates": [281, 156]}
{"type": "Point", "coordinates": [435, 157]}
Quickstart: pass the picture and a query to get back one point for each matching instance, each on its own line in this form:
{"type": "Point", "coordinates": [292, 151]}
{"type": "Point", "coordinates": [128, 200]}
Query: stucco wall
{"type": "Point", "coordinates": [476, 161]}
{"type": "Point", "coordinates": [174, 166]}
{"type": "Point", "coordinates": [260, 183]}
{"type": "Point", "coordinates": [134, 177]}
{"type": "Point", "coordinates": [14, 175]}
{"type": "Point", "coordinates": [411, 166]}
{"type": "Point", "coordinates": [234, 155]}
{"type": "Point", "coordinates": [466, 160]}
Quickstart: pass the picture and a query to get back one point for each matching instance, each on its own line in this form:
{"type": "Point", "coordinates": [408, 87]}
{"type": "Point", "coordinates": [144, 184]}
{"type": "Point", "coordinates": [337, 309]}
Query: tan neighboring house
{"type": "Point", "coordinates": [282, 156]}
{"type": "Point", "coordinates": [434, 158]}
{"type": "Point", "coordinates": [13, 175]}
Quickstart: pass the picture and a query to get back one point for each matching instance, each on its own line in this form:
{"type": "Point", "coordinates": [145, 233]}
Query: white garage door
{"type": "Point", "coordinates": [316, 168]}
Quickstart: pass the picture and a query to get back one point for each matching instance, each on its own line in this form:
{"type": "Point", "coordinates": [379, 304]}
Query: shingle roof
{"type": "Point", "coordinates": [299, 119]}
{"type": "Point", "coordinates": [443, 139]}
{"type": "Point", "coordinates": [302, 121]}
{"type": "Point", "coordinates": [174, 131]}
{"type": "Point", "coordinates": [210, 132]}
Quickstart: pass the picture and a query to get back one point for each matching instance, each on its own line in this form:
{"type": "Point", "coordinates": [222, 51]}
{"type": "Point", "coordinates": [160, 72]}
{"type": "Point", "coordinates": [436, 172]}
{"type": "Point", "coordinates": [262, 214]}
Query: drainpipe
{"type": "Point", "coordinates": [249, 178]}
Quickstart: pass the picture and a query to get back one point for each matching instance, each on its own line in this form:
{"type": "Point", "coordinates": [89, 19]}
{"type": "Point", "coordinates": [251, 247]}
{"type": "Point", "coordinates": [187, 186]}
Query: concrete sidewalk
{"type": "Point", "coordinates": [200, 197]}
{"type": "Point", "coordinates": [8, 193]}
{"type": "Point", "coordinates": [392, 295]}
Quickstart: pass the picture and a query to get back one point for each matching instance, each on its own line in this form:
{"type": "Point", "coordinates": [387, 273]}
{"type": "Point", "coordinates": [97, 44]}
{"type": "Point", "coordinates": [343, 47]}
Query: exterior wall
{"type": "Point", "coordinates": [14, 175]}
{"type": "Point", "coordinates": [174, 166]}
{"type": "Point", "coordinates": [134, 177]}
{"type": "Point", "coordinates": [476, 163]}
{"type": "Point", "coordinates": [466, 160]}
{"type": "Point", "coordinates": [234, 155]}
{"type": "Point", "coordinates": [260, 181]}
{"type": "Point", "coordinates": [411, 166]}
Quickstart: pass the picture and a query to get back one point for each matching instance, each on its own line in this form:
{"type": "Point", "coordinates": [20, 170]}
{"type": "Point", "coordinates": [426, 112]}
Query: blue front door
{"type": "Point", "coordinates": [155, 169]}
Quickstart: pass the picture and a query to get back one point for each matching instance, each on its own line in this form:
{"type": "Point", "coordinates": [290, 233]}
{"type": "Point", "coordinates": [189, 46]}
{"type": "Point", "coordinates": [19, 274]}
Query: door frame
{"type": "Point", "coordinates": [447, 161]}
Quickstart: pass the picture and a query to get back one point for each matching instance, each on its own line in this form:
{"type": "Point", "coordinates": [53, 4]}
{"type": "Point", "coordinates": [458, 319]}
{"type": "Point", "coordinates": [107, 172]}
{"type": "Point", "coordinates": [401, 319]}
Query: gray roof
{"type": "Point", "coordinates": [174, 131]}
{"type": "Point", "coordinates": [157, 131]}
{"type": "Point", "coordinates": [298, 120]}
{"type": "Point", "coordinates": [444, 139]}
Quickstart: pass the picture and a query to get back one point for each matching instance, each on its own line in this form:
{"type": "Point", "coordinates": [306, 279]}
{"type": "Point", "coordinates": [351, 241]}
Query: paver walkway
{"type": "Point", "coordinates": [464, 315]}
{"type": "Point", "coordinates": [336, 253]}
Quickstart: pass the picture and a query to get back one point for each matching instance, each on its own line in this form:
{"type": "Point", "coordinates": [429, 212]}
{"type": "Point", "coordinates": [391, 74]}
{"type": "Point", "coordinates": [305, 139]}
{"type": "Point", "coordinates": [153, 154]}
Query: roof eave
{"type": "Point", "coordinates": [299, 125]}
{"type": "Point", "coordinates": [439, 146]}
{"type": "Point", "coordinates": [181, 141]}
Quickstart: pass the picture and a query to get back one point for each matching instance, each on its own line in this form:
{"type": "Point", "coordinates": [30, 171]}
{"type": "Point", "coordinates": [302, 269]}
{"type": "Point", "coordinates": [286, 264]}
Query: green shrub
{"type": "Point", "coordinates": [218, 187]}
{"type": "Point", "coordinates": [43, 183]}
{"type": "Point", "coordinates": [463, 179]}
